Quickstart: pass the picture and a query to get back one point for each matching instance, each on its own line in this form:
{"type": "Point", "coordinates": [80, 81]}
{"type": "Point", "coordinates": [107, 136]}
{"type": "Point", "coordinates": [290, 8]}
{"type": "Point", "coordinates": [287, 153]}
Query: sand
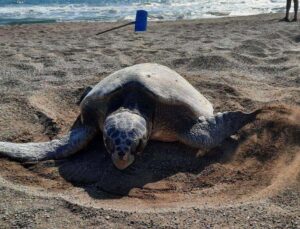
{"type": "Point", "coordinates": [251, 181]}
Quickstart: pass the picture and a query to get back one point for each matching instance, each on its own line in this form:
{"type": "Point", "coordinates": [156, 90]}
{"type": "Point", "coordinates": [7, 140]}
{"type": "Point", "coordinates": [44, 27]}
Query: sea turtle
{"type": "Point", "coordinates": [131, 106]}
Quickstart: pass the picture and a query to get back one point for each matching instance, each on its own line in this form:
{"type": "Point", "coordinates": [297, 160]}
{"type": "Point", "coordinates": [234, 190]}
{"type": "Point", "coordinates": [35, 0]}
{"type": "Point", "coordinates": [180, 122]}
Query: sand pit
{"type": "Point", "coordinates": [261, 162]}
{"type": "Point", "coordinates": [251, 180]}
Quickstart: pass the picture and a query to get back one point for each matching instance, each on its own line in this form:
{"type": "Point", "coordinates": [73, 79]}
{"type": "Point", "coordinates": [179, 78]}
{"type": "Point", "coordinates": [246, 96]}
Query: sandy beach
{"type": "Point", "coordinates": [241, 63]}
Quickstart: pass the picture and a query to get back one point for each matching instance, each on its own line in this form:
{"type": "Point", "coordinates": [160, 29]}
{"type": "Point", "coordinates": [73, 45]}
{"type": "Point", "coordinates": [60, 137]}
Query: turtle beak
{"type": "Point", "coordinates": [124, 162]}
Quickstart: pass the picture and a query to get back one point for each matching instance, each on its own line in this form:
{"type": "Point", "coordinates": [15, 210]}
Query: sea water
{"type": "Point", "coordinates": [28, 11]}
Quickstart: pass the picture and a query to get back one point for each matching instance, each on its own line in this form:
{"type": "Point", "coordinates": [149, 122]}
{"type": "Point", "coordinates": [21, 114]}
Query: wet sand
{"type": "Point", "coordinates": [242, 63]}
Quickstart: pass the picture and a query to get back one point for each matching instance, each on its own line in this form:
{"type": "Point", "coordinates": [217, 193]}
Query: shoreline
{"type": "Point", "coordinates": [31, 21]}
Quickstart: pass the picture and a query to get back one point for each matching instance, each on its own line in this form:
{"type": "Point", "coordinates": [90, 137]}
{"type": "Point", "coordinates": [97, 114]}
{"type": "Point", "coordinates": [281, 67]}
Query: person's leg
{"type": "Point", "coordinates": [288, 7]}
{"type": "Point", "coordinates": [296, 6]}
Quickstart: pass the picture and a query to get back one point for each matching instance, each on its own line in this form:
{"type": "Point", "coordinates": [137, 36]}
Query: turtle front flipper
{"type": "Point", "coordinates": [209, 132]}
{"type": "Point", "coordinates": [71, 143]}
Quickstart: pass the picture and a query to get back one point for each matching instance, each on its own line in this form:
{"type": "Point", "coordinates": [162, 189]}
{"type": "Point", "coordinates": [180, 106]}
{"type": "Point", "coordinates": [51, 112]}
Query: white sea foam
{"type": "Point", "coordinates": [158, 10]}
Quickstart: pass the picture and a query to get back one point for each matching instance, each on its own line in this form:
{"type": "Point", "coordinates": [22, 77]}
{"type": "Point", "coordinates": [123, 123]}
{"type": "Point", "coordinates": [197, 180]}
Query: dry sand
{"type": "Point", "coordinates": [251, 181]}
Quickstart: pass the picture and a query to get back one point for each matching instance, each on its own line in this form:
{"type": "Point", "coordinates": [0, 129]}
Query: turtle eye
{"type": "Point", "coordinates": [109, 146]}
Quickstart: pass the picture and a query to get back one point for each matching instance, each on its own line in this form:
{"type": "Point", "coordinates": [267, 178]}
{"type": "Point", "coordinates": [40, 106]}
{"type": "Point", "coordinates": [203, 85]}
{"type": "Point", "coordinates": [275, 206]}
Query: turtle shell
{"type": "Point", "coordinates": [159, 82]}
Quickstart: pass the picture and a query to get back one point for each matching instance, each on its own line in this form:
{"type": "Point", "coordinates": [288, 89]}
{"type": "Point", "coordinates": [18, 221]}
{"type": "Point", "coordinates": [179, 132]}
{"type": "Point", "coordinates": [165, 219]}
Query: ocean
{"type": "Point", "coordinates": [30, 11]}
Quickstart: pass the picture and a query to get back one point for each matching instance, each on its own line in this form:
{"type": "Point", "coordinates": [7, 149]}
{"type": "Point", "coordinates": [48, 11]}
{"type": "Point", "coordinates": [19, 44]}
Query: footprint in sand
{"type": "Point", "coordinates": [32, 67]}
{"type": "Point", "coordinates": [209, 62]}
{"type": "Point", "coordinates": [253, 48]}
{"type": "Point", "coordinates": [244, 59]}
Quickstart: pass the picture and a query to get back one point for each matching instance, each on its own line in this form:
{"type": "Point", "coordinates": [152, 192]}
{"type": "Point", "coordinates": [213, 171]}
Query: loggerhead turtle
{"type": "Point", "coordinates": [131, 106]}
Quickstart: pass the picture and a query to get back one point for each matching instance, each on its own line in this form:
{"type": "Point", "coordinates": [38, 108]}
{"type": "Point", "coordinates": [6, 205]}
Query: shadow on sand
{"type": "Point", "coordinates": [173, 167]}
{"type": "Point", "coordinates": [94, 171]}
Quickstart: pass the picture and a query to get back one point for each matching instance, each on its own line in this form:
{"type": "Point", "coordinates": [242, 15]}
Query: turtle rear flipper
{"type": "Point", "coordinates": [210, 132]}
{"type": "Point", "coordinates": [71, 143]}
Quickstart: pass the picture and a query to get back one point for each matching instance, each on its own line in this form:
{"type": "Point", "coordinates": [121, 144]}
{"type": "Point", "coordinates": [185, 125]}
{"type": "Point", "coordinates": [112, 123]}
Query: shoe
{"type": "Point", "coordinates": [285, 19]}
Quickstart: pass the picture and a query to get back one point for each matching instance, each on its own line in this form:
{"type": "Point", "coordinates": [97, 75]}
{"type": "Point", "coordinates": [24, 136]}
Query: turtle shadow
{"type": "Point", "coordinates": [93, 170]}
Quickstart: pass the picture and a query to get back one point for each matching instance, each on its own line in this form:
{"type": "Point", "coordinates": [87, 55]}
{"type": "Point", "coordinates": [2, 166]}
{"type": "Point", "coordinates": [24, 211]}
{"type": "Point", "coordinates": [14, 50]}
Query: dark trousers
{"type": "Point", "coordinates": [288, 7]}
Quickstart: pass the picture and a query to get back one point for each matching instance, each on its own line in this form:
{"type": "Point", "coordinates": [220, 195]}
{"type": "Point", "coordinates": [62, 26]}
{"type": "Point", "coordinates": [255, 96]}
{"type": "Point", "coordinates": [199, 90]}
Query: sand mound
{"type": "Point", "coordinates": [260, 161]}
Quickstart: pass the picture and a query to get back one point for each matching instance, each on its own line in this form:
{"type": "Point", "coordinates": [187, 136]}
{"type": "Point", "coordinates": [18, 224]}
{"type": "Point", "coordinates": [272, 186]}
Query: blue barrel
{"type": "Point", "coordinates": [141, 21]}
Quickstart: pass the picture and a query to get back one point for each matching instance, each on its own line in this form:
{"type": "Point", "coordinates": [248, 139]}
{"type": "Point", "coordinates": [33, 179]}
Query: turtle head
{"type": "Point", "coordinates": [125, 135]}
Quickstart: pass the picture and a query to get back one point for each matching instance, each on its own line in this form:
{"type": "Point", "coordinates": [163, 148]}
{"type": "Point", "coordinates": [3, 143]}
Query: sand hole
{"type": "Point", "coordinates": [260, 161]}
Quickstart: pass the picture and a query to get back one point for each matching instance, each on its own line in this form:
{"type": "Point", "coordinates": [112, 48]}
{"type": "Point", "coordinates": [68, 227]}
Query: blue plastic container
{"type": "Point", "coordinates": [141, 21]}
